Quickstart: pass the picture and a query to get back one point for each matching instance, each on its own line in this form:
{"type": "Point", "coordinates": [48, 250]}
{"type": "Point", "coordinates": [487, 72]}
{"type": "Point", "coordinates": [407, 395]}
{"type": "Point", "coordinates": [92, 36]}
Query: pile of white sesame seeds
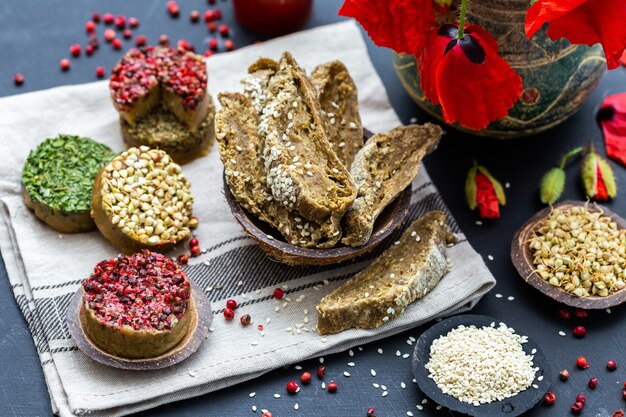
{"type": "Point", "coordinates": [481, 365]}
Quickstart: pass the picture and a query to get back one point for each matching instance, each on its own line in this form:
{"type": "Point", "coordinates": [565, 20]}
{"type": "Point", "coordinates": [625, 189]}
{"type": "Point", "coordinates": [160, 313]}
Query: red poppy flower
{"type": "Point", "coordinates": [482, 190]}
{"type": "Point", "coordinates": [584, 22]}
{"type": "Point", "coordinates": [397, 24]}
{"type": "Point", "coordinates": [467, 77]}
{"type": "Point", "coordinates": [612, 119]}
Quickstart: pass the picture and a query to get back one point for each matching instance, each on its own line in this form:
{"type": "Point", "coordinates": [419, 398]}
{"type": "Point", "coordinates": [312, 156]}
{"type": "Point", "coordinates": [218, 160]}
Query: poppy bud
{"type": "Point", "coordinates": [598, 177]}
{"type": "Point", "coordinates": [553, 181]}
{"type": "Point", "coordinates": [484, 191]}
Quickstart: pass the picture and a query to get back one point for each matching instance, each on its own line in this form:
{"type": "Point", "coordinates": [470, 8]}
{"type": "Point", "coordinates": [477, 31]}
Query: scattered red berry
{"type": "Point", "coordinates": [207, 53]}
{"type": "Point", "coordinates": [120, 22]}
{"type": "Point", "coordinates": [224, 30]}
{"type": "Point", "coordinates": [218, 14]}
{"type": "Point", "coordinates": [95, 17]}
{"type": "Point", "coordinates": [18, 78]}
{"type": "Point", "coordinates": [107, 18]}
{"type": "Point", "coordinates": [231, 304]}
{"type": "Point", "coordinates": [229, 314]}
{"type": "Point", "coordinates": [173, 9]}
{"type": "Point", "coordinates": [195, 251]}
{"type": "Point", "coordinates": [64, 64]}
{"type": "Point", "coordinates": [564, 313]}
{"type": "Point", "coordinates": [305, 378]}
{"type": "Point", "coordinates": [89, 50]}
{"type": "Point", "coordinates": [209, 16]}
{"type": "Point", "coordinates": [183, 259]}
{"type": "Point", "coordinates": [75, 50]}
{"type": "Point", "coordinates": [564, 374]}
{"type": "Point", "coordinates": [332, 386]}
{"type": "Point", "coordinates": [229, 44]}
{"type": "Point", "coordinates": [260, 327]}
{"type": "Point", "coordinates": [579, 313]}
{"type": "Point", "coordinates": [580, 331]}
{"type": "Point", "coordinates": [184, 44]}
{"type": "Point", "coordinates": [213, 44]}
{"type": "Point", "coordinates": [279, 293]}
{"type": "Point", "coordinates": [292, 387]}
{"type": "Point", "coordinates": [580, 398]}
{"type": "Point", "coordinates": [109, 35]}
{"type": "Point", "coordinates": [94, 41]}
{"type": "Point", "coordinates": [618, 413]}
{"type": "Point", "coordinates": [245, 320]}
{"type": "Point", "coordinates": [577, 407]}
{"type": "Point", "coordinates": [593, 383]}
{"type": "Point", "coordinates": [117, 44]}
{"type": "Point", "coordinates": [371, 412]}
{"type": "Point", "coordinates": [321, 372]}
{"type": "Point", "coordinates": [582, 363]}
{"type": "Point", "coordinates": [140, 40]}
{"type": "Point", "coordinates": [133, 22]}
{"type": "Point", "coordinates": [550, 398]}
{"type": "Point", "coordinates": [100, 72]}
{"type": "Point", "coordinates": [624, 393]}
{"type": "Point", "coordinates": [266, 414]}
{"type": "Point", "coordinates": [127, 33]}
{"type": "Point", "coordinates": [90, 27]}
{"type": "Point", "coordinates": [212, 26]}
{"type": "Point", "coordinates": [611, 365]}
{"type": "Point", "coordinates": [193, 242]}
{"type": "Point", "coordinates": [164, 40]}
{"type": "Point", "coordinates": [194, 16]}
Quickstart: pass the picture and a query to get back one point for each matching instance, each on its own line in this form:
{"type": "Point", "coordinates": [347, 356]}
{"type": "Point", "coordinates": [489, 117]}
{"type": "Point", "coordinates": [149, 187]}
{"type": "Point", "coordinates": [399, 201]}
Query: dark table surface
{"type": "Point", "coordinates": [36, 34]}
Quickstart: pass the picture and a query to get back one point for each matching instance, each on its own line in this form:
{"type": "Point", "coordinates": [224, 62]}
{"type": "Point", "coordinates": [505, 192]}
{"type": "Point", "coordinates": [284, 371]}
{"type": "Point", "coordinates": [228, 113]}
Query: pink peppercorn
{"type": "Point", "coordinates": [550, 398]}
{"type": "Point", "coordinates": [207, 53]}
{"type": "Point", "coordinates": [279, 293]}
{"type": "Point", "coordinates": [564, 374]}
{"type": "Point", "coordinates": [577, 407]}
{"type": "Point", "coordinates": [321, 372]}
{"type": "Point", "coordinates": [593, 383]}
{"type": "Point", "coordinates": [89, 50]}
{"type": "Point", "coordinates": [100, 72]}
{"type": "Point", "coordinates": [611, 365]}
{"type": "Point", "coordinates": [305, 378]}
{"type": "Point", "coordinates": [127, 33]}
{"type": "Point", "coordinates": [580, 313]}
{"type": "Point", "coordinates": [371, 412]}
{"type": "Point", "coordinates": [95, 17]}
{"type": "Point", "coordinates": [108, 18]}
{"type": "Point", "coordinates": [18, 78]}
{"type": "Point", "coordinates": [164, 40]}
{"type": "Point", "coordinates": [618, 413]}
{"type": "Point", "coordinates": [64, 64]}
{"type": "Point", "coordinates": [564, 313]}
{"type": "Point", "coordinates": [173, 9]}
{"type": "Point", "coordinates": [209, 16]}
{"type": "Point", "coordinates": [90, 27]}
{"type": "Point", "coordinates": [140, 40]}
{"type": "Point", "coordinates": [120, 22]}
{"type": "Point", "coordinates": [582, 363]}
{"type": "Point", "coordinates": [109, 35]}
{"type": "Point", "coordinates": [332, 386]}
{"type": "Point", "coordinates": [232, 304]}
{"type": "Point", "coordinates": [229, 314]}
{"type": "Point", "coordinates": [213, 44]}
{"type": "Point", "coordinates": [224, 30]}
{"type": "Point", "coordinates": [183, 259]}
{"type": "Point", "coordinates": [75, 50]}
{"type": "Point", "coordinates": [218, 14]}
{"type": "Point", "coordinates": [580, 331]}
{"type": "Point", "coordinates": [245, 320]}
{"type": "Point", "coordinates": [133, 22]}
{"type": "Point", "coordinates": [292, 387]}
{"type": "Point", "coordinates": [580, 398]}
{"type": "Point", "coordinates": [229, 44]}
{"type": "Point", "coordinates": [194, 16]}
{"type": "Point", "coordinates": [212, 26]}
{"type": "Point", "coordinates": [117, 44]}
{"type": "Point", "coordinates": [195, 251]}
{"type": "Point", "coordinates": [193, 242]}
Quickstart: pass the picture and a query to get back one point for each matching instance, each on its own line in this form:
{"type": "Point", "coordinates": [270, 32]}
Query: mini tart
{"type": "Point", "coordinates": [176, 78]}
{"type": "Point", "coordinates": [141, 200]}
{"type": "Point", "coordinates": [57, 180]}
{"type": "Point", "coordinates": [136, 306]}
{"type": "Point", "coordinates": [161, 129]}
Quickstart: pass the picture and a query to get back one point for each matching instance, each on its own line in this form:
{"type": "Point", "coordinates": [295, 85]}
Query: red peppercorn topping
{"type": "Point", "coordinates": [120, 22]}
{"type": "Point", "coordinates": [611, 365]}
{"type": "Point", "coordinates": [183, 259]}
{"type": "Point", "coordinates": [292, 387]}
{"type": "Point", "coordinates": [321, 372]}
{"type": "Point", "coordinates": [229, 44]}
{"type": "Point", "coordinates": [582, 363]}
{"type": "Point", "coordinates": [260, 327]}
{"type": "Point", "coordinates": [127, 33]}
{"type": "Point", "coordinates": [185, 45]}
{"type": "Point", "coordinates": [231, 304]}
{"type": "Point", "coordinates": [279, 293]}
{"type": "Point", "coordinates": [266, 414]}
{"type": "Point", "coordinates": [193, 242]}
{"type": "Point", "coordinates": [218, 14]}
{"type": "Point", "coordinates": [564, 313]}
{"type": "Point", "coordinates": [18, 78]}
{"type": "Point", "coordinates": [117, 44]}
{"type": "Point", "coordinates": [95, 17]}
{"type": "Point", "coordinates": [305, 378]}
{"type": "Point", "coordinates": [90, 27]}
{"type": "Point", "coordinates": [207, 53]}
{"type": "Point", "coordinates": [75, 50]}
{"type": "Point", "coordinates": [577, 407]}
{"type": "Point", "coordinates": [245, 320]}
{"type": "Point", "coordinates": [133, 22]}
{"type": "Point", "coordinates": [140, 40]}
{"type": "Point", "coordinates": [100, 72]}
{"type": "Point", "coordinates": [173, 9]}
{"type": "Point", "coordinates": [195, 251]}
{"type": "Point", "coordinates": [109, 35]}
{"type": "Point", "coordinates": [213, 44]}
{"type": "Point", "coordinates": [209, 16]}
{"type": "Point", "coordinates": [107, 18]}
{"type": "Point", "coordinates": [580, 398]}
{"type": "Point", "coordinates": [64, 64]}
{"type": "Point", "coordinates": [550, 398]}
{"type": "Point", "coordinates": [593, 383]}
{"type": "Point", "coordinates": [164, 40]}
{"type": "Point", "coordinates": [580, 313]}
{"type": "Point", "coordinates": [618, 413]}
{"type": "Point", "coordinates": [229, 314]}
{"type": "Point", "coordinates": [212, 26]}
{"type": "Point", "coordinates": [145, 290]}
{"type": "Point", "coordinates": [194, 16]}
{"type": "Point", "coordinates": [89, 50]}
{"type": "Point", "coordinates": [332, 386]}
{"type": "Point", "coordinates": [564, 374]}
{"type": "Point", "coordinates": [580, 331]}
{"type": "Point", "coordinates": [371, 412]}
{"type": "Point", "coordinates": [224, 30]}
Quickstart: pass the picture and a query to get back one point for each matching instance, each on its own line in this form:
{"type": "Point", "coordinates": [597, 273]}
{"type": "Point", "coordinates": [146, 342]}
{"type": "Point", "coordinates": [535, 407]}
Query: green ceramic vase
{"type": "Point", "coordinates": [558, 77]}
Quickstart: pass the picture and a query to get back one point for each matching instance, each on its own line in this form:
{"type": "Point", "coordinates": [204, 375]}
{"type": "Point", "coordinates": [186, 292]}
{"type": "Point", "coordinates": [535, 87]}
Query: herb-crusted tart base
{"type": "Point", "coordinates": [384, 167]}
{"type": "Point", "coordinates": [403, 273]}
{"type": "Point", "coordinates": [161, 129]}
{"type": "Point", "coordinates": [57, 179]}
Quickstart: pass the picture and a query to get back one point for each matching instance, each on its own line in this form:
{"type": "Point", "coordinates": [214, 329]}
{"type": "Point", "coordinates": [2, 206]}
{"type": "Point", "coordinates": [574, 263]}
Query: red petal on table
{"type": "Point", "coordinates": [601, 192]}
{"type": "Point", "coordinates": [486, 198]}
{"type": "Point", "coordinates": [584, 22]}
{"type": "Point", "coordinates": [401, 25]}
{"type": "Point", "coordinates": [612, 119]}
{"type": "Point", "coordinates": [473, 84]}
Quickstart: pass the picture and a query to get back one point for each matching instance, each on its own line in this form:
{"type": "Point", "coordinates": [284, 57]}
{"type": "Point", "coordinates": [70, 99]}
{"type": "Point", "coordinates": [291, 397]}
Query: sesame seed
{"type": "Point", "coordinates": [375, 385]}
{"type": "Point", "coordinates": [252, 394]}
{"type": "Point", "coordinates": [398, 353]}
{"type": "Point", "coordinates": [296, 406]}
{"type": "Point", "coordinates": [254, 408]}
{"type": "Point", "coordinates": [511, 298]}
{"type": "Point", "coordinates": [192, 374]}
{"type": "Point", "coordinates": [562, 333]}
{"type": "Point", "coordinates": [490, 257]}
{"type": "Point", "coordinates": [350, 352]}
{"type": "Point", "coordinates": [498, 295]}
{"type": "Point", "coordinates": [346, 374]}
{"type": "Point", "coordinates": [507, 185]}
{"type": "Point", "coordinates": [350, 364]}
{"type": "Point", "coordinates": [385, 393]}
{"type": "Point", "coordinates": [406, 355]}
{"type": "Point", "coordinates": [373, 372]}
{"type": "Point", "coordinates": [402, 385]}
{"type": "Point", "coordinates": [276, 395]}
{"type": "Point", "coordinates": [478, 223]}
{"type": "Point", "coordinates": [410, 414]}
{"type": "Point", "coordinates": [380, 351]}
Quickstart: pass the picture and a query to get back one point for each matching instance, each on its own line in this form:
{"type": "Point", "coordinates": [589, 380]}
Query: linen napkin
{"type": "Point", "coordinates": [46, 268]}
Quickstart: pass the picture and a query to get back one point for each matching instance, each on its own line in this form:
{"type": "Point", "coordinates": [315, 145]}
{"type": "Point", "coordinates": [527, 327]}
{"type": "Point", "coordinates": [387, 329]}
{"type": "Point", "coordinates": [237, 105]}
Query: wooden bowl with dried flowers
{"type": "Point", "coordinates": [571, 288]}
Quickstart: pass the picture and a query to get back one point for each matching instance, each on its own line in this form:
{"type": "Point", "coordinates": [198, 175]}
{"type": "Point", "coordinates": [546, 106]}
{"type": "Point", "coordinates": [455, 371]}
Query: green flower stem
{"type": "Point", "coordinates": [461, 33]}
{"type": "Point", "coordinates": [568, 155]}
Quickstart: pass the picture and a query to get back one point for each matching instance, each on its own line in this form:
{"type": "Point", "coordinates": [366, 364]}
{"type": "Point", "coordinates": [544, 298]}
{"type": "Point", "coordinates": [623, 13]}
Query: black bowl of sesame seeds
{"type": "Point", "coordinates": [481, 363]}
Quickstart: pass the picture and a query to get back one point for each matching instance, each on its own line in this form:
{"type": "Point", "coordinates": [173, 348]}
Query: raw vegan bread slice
{"type": "Point", "coordinates": [384, 167]}
{"type": "Point", "coordinates": [255, 83]}
{"type": "Point", "coordinates": [402, 274]}
{"type": "Point", "coordinates": [303, 172]}
{"type": "Point", "coordinates": [340, 109]}
{"type": "Point", "coordinates": [240, 147]}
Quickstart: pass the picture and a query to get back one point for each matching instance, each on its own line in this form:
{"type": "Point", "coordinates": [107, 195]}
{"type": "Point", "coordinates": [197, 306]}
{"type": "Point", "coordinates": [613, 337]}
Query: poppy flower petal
{"type": "Point", "coordinates": [486, 198]}
{"type": "Point", "coordinates": [429, 59]}
{"type": "Point", "coordinates": [401, 25]}
{"type": "Point", "coordinates": [612, 119]}
{"type": "Point", "coordinates": [544, 11]}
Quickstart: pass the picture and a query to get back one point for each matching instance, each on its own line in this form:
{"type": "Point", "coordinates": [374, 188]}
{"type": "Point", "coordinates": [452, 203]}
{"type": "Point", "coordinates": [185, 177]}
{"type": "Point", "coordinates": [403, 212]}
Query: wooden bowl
{"type": "Point", "coordinates": [523, 260]}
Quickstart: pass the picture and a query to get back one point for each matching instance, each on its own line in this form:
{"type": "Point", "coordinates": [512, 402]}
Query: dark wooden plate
{"type": "Point", "coordinates": [509, 407]}
{"type": "Point", "coordinates": [201, 318]}
{"type": "Point", "coordinates": [279, 250]}
{"type": "Point", "coordinates": [523, 261]}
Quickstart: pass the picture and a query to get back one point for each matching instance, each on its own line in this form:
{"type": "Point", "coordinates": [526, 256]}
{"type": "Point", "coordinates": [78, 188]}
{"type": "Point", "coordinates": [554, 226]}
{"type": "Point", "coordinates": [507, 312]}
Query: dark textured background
{"type": "Point", "coordinates": [36, 34]}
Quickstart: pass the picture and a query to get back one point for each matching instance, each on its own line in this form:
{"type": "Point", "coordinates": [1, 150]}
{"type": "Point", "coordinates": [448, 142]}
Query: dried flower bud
{"type": "Point", "coordinates": [482, 190]}
{"type": "Point", "coordinates": [552, 185]}
{"type": "Point", "coordinates": [598, 177]}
